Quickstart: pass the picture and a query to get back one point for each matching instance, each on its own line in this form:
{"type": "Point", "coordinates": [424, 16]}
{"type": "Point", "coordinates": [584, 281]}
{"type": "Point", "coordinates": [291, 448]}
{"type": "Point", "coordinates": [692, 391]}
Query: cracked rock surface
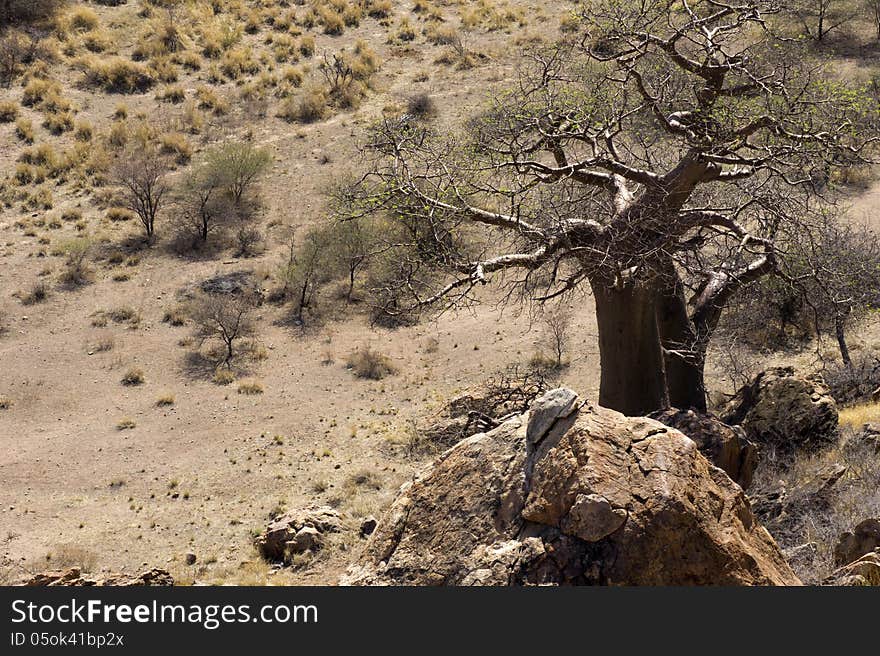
{"type": "Point", "coordinates": [570, 493]}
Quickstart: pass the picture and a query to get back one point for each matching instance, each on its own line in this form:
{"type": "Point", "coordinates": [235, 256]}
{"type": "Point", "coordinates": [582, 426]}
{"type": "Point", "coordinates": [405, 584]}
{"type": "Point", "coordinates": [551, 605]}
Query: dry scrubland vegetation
{"type": "Point", "coordinates": [190, 345]}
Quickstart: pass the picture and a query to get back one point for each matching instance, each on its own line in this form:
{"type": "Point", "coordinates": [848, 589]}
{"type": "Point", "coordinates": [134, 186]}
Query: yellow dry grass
{"type": "Point", "coordinates": [858, 415]}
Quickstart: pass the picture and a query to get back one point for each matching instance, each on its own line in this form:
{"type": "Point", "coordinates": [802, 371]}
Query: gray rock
{"type": "Point", "coordinates": [785, 411]}
{"type": "Point", "coordinates": [547, 410]}
{"type": "Point", "coordinates": [854, 544]}
{"type": "Point", "coordinates": [592, 518]}
{"type": "Point", "coordinates": [368, 526]}
{"type": "Point", "coordinates": [307, 538]}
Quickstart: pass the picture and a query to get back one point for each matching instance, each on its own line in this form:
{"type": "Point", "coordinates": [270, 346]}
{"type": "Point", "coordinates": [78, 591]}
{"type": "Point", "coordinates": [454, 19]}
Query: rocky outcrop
{"type": "Point", "coordinates": [780, 509]}
{"type": "Point", "coordinates": [854, 544]}
{"type": "Point", "coordinates": [784, 410]}
{"type": "Point", "coordinates": [725, 446]}
{"type": "Point", "coordinates": [297, 532]}
{"type": "Point", "coordinates": [74, 577]}
{"type": "Point", "coordinates": [863, 572]}
{"type": "Point", "coordinates": [570, 493]}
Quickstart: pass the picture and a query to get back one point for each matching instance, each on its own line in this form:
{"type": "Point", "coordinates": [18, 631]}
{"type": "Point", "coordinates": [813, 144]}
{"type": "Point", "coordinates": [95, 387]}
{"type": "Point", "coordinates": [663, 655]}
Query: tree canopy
{"type": "Point", "coordinates": [663, 156]}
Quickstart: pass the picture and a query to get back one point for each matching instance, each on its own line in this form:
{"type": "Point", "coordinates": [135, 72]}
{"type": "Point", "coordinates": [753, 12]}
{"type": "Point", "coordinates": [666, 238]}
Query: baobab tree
{"type": "Point", "coordinates": [659, 159]}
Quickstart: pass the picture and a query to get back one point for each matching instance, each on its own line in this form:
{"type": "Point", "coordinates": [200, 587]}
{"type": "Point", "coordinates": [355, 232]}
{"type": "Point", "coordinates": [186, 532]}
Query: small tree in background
{"type": "Point", "coordinates": [306, 269]}
{"type": "Point", "coordinates": [872, 8]}
{"type": "Point", "coordinates": [838, 273]}
{"type": "Point", "coordinates": [557, 332]}
{"type": "Point", "coordinates": [821, 17]}
{"type": "Point", "coordinates": [239, 164]}
{"type": "Point", "coordinates": [352, 243]}
{"type": "Point", "coordinates": [142, 176]}
{"type": "Point", "coordinates": [220, 192]}
{"type": "Point", "coordinates": [226, 317]}
{"type": "Point", "coordinates": [202, 204]}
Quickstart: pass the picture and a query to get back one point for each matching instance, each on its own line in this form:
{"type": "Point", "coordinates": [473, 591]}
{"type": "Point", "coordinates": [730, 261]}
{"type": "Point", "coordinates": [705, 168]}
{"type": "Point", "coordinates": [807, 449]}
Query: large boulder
{"type": "Point", "coordinates": [854, 544]}
{"type": "Point", "coordinates": [783, 410]}
{"type": "Point", "coordinates": [725, 446]}
{"type": "Point", "coordinates": [570, 493]}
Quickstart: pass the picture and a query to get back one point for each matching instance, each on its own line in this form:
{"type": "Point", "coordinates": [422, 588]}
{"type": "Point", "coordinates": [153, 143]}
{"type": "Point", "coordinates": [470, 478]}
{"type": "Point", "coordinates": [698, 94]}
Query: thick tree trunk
{"type": "Point", "coordinates": [633, 379]}
{"type": "Point", "coordinates": [684, 353]}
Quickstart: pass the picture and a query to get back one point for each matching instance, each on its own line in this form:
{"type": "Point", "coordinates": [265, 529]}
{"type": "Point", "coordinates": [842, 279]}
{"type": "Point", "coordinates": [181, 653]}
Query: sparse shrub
{"type": "Point", "coordinates": [165, 399]}
{"type": "Point", "coordinates": [173, 93]}
{"type": "Point", "coordinates": [223, 376]}
{"type": "Point", "coordinates": [177, 145]}
{"type": "Point", "coordinates": [103, 344]}
{"type": "Point", "coordinates": [58, 122]}
{"type": "Point", "coordinates": [248, 241]}
{"type": "Point", "coordinates": [133, 377]}
{"type": "Point", "coordinates": [118, 134]}
{"type": "Point", "coordinates": [367, 363]}
{"type": "Point", "coordinates": [405, 30]}
{"type": "Point", "coordinates": [209, 99]}
{"type": "Point", "coordinates": [117, 75]}
{"type": "Point", "coordinates": [379, 8]}
{"type": "Point", "coordinates": [238, 165]}
{"type": "Point", "coordinates": [24, 130]}
{"type": "Point", "coordinates": [442, 34]}
{"type": "Point", "coordinates": [38, 293]}
{"type": "Point", "coordinates": [238, 62]}
{"type": "Point", "coordinates": [421, 105]}
{"type": "Point", "coordinates": [126, 423]}
{"type": "Point", "coordinates": [331, 20]}
{"type": "Point", "coordinates": [76, 270]}
{"type": "Point", "coordinates": [853, 383]}
{"type": "Point", "coordinates": [163, 69]}
{"type": "Point", "coordinates": [292, 75]}
{"type": "Point", "coordinates": [84, 131]}
{"type": "Point", "coordinates": [8, 111]}
{"type": "Point", "coordinates": [118, 214]}
{"type": "Point", "coordinates": [43, 155]}
{"type": "Point", "coordinates": [175, 316]}
{"type": "Point", "coordinates": [97, 41]}
{"type": "Point", "coordinates": [36, 90]}
{"type": "Point", "coordinates": [82, 19]}
{"type": "Point", "coordinates": [307, 45]}
{"type": "Point", "coordinates": [123, 314]}
{"type": "Point", "coordinates": [250, 387]}
{"type": "Point", "coordinates": [308, 107]}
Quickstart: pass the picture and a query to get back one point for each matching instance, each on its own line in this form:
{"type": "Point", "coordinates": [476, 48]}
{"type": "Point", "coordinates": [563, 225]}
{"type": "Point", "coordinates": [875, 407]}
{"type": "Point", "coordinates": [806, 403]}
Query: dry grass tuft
{"type": "Point", "coordinates": [367, 363]}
